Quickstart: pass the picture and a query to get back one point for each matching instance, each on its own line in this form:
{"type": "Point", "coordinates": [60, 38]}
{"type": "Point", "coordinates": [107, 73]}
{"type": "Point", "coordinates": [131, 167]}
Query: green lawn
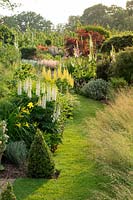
{"type": "Point", "coordinates": [77, 177]}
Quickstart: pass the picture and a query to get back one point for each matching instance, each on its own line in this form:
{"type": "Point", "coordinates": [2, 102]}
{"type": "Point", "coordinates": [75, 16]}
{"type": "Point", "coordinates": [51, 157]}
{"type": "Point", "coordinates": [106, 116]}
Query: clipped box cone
{"type": "Point", "coordinates": [40, 162]}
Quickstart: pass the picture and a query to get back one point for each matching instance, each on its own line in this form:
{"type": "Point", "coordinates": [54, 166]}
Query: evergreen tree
{"type": "Point", "coordinates": [40, 163]}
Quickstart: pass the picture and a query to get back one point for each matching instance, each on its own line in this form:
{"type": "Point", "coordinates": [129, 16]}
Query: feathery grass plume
{"type": "Point", "coordinates": [111, 138]}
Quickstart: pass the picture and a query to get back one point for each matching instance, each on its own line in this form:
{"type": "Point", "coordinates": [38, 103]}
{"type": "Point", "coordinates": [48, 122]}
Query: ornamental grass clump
{"type": "Point", "coordinates": [111, 138]}
{"type": "Point", "coordinates": [40, 163]}
{"type": "Point", "coordinates": [8, 193]}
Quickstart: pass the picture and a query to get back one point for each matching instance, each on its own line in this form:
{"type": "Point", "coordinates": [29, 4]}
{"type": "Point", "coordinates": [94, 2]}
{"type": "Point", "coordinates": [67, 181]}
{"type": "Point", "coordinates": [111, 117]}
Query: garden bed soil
{"type": "Point", "coordinates": [12, 172]}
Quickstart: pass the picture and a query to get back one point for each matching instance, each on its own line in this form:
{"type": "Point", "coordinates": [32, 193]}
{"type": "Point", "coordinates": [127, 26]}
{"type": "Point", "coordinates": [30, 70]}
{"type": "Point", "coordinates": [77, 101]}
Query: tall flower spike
{"type": "Point", "coordinates": [30, 89]}
{"type": "Point", "coordinates": [43, 102]}
{"type": "Point", "coordinates": [20, 87]}
{"type": "Point", "coordinates": [44, 73]}
{"type": "Point", "coordinates": [43, 88]}
{"type": "Point", "coordinates": [91, 47]}
{"type": "Point", "coordinates": [49, 75]}
{"type": "Point", "coordinates": [113, 53]}
{"type": "Point", "coordinates": [54, 93]}
{"type": "Point", "coordinates": [48, 92]}
{"type": "Point", "coordinates": [38, 88]}
{"type": "Point", "coordinates": [39, 101]}
{"type": "Point", "coordinates": [59, 72]}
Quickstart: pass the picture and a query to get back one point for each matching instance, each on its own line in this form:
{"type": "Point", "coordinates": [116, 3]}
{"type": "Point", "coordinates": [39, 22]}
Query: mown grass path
{"type": "Point", "coordinates": [76, 179]}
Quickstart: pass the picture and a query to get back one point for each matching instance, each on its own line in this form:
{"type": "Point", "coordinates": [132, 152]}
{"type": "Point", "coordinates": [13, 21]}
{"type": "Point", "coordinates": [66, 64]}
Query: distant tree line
{"type": "Point", "coordinates": [27, 19]}
{"type": "Point", "coordinates": [113, 17]}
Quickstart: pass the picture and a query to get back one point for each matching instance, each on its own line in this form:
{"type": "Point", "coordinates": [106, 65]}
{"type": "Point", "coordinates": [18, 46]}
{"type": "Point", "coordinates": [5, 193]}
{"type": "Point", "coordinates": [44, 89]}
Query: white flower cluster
{"type": "Point", "coordinates": [32, 62]}
{"type": "Point", "coordinates": [57, 113]}
{"type": "Point", "coordinates": [48, 63]}
{"type": "Point", "coordinates": [45, 92]}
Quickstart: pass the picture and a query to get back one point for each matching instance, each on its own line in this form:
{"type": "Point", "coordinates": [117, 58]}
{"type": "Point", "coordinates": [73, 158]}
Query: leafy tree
{"type": "Point", "coordinates": [96, 14]}
{"type": "Point", "coordinates": [28, 19]}
{"type": "Point", "coordinates": [6, 35]}
{"type": "Point", "coordinates": [113, 17]}
{"type": "Point", "coordinates": [40, 163]}
{"type": "Point", "coordinates": [118, 42]}
{"type": "Point", "coordinates": [129, 7]}
{"type": "Point", "coordinates": [73, 23]}
{"type": "Point", "coordinates": [7, 4]}
{"type": "Point", "coordinates": [124, 65]}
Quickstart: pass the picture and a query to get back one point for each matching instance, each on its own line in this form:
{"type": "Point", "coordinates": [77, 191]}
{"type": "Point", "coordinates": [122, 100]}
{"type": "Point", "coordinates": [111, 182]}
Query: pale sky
{"type": "Point", "coordinates": [58, 11]}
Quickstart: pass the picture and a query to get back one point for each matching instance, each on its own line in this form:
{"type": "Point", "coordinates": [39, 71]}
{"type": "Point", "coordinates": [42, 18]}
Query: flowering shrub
{"type": "Point", "coordinates": [28, 52]}
{"type": "Point", "coordinates": [82, 42]}
{"type": "Point", "coordinates": [19, 124]}
{"type": "Point", "coordinates": [81, 69]}
{"type": "Point", "coordinates": [42, 48]}
{"type": "Point", "coordinates": [36, 104]}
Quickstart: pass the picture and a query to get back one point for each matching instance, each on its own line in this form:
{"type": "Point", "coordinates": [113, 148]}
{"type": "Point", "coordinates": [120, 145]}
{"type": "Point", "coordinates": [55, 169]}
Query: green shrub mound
{"type": "Point", "coordinates": [98, 29]}
{"type": "Point", "coordinates": [96, 89]}
{"type": "Point", "coordinates": [119, 43]}
{"type": "Point", "coordinates": [6, 35]}
{"type": "Point", "coordinates": [8, 193]}
{"type": "Point", "coordinates": [123, 66]}
{"type": "Point", "coordinates": [118, 83]}
{"type": "Point", "coordinates": [40, 163]}
{"type": "Point", "coordinates": [103, 70]}
{"type": "Point", "coordinates": [28, 52]}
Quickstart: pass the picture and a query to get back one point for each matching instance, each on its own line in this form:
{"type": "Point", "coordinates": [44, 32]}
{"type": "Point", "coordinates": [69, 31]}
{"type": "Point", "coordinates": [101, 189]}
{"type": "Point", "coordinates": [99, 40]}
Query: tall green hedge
{"type": "Point", "coordinates": [123, 67]}
{"type": "Point", "coordinates": [118, 42]}
{"type": "Point", "coordinates": [6, 35]}
{"type": "Point", "coordinates": [98, 29]}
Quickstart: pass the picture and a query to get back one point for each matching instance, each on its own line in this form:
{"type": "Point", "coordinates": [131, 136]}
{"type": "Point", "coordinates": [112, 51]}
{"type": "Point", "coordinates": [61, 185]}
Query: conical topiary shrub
{"type": "Point", "coordinates": [40, 163]}
{"type": "Point", "coordinates": [8, 193]}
